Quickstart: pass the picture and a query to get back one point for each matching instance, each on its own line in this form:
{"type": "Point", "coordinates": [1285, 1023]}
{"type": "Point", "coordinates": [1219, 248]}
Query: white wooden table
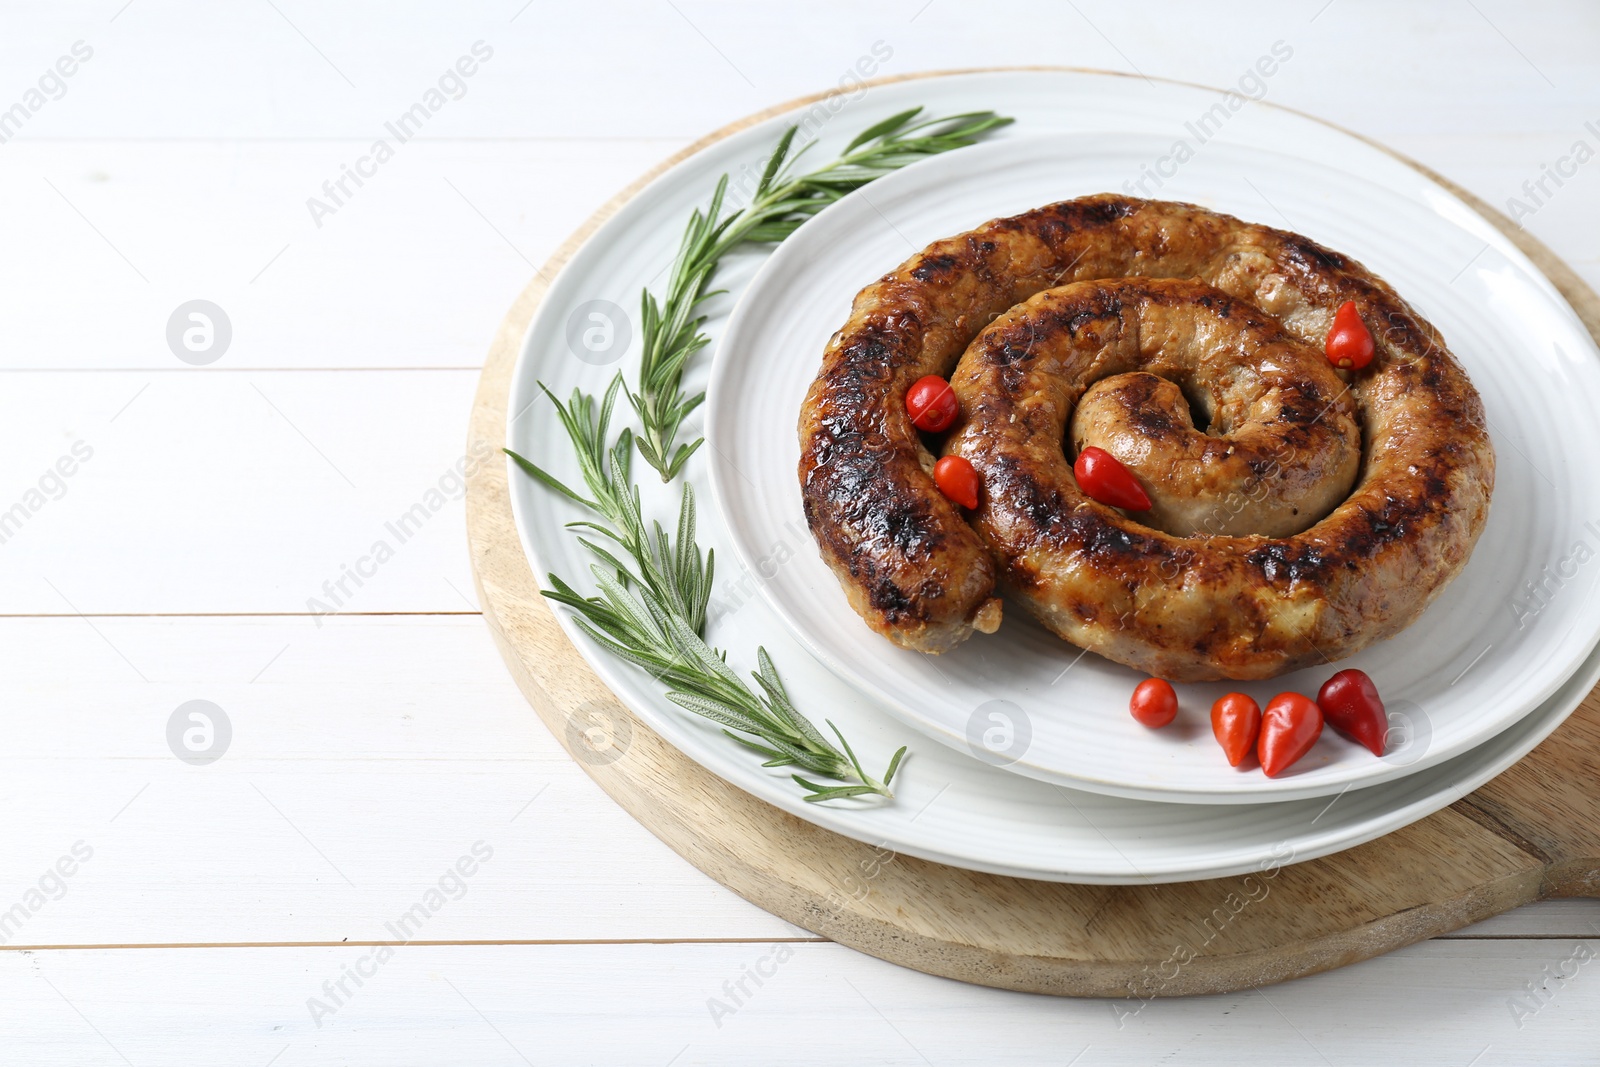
{"type": "Point", "coordinates": [167, 913]}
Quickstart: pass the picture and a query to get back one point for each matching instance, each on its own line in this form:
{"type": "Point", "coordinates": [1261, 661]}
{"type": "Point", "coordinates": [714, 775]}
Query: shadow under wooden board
{"type": "Point", "coordinates": [1531, 834]}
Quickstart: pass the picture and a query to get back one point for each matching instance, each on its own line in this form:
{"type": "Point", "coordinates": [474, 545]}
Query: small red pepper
{"type": "Point", "coordinates": [1349, 343]}
{"type": "Point", "coordinates": [958, 480]}
{"type": "Point", "coordinates": [1154, 703]}
{"type": "Point", "coordinates": [1236, 722]}
{"type": "Point", "coordinates": [1289, 727]}
{"type": "Point", "coordinates": [1102, 477]}
{"type": "Point", "coordinates": [1351, 704]}
{"type": "Point", "coordinates": [932, 404]}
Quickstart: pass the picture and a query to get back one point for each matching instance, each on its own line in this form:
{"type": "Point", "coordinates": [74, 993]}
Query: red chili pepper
{"type": "Point", "coordinates": [957, 480]}
{"type": "Point", "coordinates": [1289, 727]}
{"type": "Point", "coordinates": [932, 404]}
{"type": "Point", "coordinates": [1102, 477]}
{"type": "Point", "coordinates": [1349, 343]}
{"type": "Point", "coordinates": [1154, 703]}
{"type": "Point", "coordinates": [1236, 720]}
{"type": "Point", "coordinates": [1351, 704]}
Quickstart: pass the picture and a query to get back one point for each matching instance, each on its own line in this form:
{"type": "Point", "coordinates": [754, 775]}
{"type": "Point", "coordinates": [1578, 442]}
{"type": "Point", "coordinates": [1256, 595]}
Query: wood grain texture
{"type": "Point", "coordinates": [1532, 833]}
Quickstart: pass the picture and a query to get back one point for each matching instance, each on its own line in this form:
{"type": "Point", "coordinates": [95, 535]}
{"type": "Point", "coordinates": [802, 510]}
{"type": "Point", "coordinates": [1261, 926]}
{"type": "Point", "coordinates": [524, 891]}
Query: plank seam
{"type": "Point", "coordinates": [535, 941]}
{"type": "Point", "coordinates": [231, 614]}
{"type": "Point", "coordinates": [600, 942]}
{"type": "Point", "coordinates": [1473, 809]}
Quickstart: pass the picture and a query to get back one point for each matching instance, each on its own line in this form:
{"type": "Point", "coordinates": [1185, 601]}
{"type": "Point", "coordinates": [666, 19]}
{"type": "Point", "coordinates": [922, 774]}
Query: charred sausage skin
{"type": "Point", "coordinates": [918, 573]}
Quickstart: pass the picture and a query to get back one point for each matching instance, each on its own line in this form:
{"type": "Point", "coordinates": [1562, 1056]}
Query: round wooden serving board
{"type": "Point", "coordinates": [1530, 834]}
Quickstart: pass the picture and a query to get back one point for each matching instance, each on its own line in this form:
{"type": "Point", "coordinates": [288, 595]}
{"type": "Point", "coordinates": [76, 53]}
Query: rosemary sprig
{"type": "Point", "coordinates": [670, 328]}
{"type": "Point", "coordinates": [652, 611]}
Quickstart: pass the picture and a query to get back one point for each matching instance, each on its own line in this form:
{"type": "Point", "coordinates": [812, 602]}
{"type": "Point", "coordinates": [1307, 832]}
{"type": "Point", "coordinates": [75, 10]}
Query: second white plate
{"type": "Point", "coordinates": [1501, 639]}
{"type": "Point", "coordinates": [949, 807]}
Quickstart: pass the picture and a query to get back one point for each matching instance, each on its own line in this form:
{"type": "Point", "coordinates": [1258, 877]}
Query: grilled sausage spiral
{"type": "Point", "coordinates": [1300, 514]}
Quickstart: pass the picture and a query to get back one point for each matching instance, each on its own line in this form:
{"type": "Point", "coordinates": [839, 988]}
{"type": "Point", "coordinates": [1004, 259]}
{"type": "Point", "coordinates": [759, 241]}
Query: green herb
{"type": "Point", "coordinates": [651, 611]}
{"type": "Point", "coordinates": [670, 328]}
{"type": "Point", "coordinates": [654, 588]}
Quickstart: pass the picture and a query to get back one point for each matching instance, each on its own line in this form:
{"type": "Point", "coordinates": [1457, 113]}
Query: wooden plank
{"type": "Point", "coordinates": [1442, 1002]}
{"type": "Point", "coordinates": [410, 269]}
{"type": "Point", "coordinates": [448, 231]}
{"type": "Point", "coordinates": [366, 758]}
{"type": "Point", "coordinates": [1548, 918]}
{"type": "Point", "coordinates": [563, 72]}
{"type": "Point", "coordinates": [233, 492]}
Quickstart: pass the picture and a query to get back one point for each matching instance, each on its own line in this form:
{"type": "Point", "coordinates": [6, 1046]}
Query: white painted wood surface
{"type": "Point", "coordinates": [373, 751]}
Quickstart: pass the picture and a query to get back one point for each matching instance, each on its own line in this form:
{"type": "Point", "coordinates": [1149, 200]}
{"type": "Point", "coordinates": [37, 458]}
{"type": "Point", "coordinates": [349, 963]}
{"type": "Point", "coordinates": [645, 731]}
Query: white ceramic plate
{"type": "Point", "coordinates": [1484, 655]}
{"type": "Point", "coordinates": [951, 808]}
